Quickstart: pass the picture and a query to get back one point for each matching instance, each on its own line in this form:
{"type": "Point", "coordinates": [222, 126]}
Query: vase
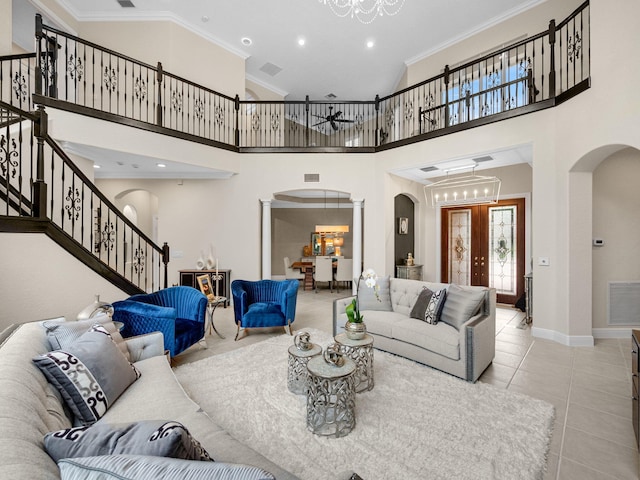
{"type": "Point", "coordinates": [355, 331]}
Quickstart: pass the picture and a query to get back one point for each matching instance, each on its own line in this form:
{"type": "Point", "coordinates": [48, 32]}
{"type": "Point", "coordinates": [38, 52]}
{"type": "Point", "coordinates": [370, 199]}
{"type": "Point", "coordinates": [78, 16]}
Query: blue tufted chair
{"type": "Point", "coordinates": [178, 312]}
{"type": "Point", "coordinates": [264, 303]}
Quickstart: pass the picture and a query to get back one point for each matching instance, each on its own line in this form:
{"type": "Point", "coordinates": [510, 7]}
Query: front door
{"type": "Point", "coordinates": [484, 245]}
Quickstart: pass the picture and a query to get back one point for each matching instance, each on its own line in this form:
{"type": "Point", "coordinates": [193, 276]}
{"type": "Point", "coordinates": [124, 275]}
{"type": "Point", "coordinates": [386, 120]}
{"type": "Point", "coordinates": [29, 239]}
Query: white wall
{"type": "Point", "coordinates": [44, 281]}
{"type": "Point", "coordinates": [616, 204]}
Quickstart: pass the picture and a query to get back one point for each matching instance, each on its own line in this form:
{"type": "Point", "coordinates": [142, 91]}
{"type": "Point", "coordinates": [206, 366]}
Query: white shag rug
{"type": "Point", "coordinates": [416, 423]}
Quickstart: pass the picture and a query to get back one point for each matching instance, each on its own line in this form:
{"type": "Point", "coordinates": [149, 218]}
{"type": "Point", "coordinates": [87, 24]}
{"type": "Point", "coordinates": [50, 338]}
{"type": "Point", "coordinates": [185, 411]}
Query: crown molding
{"type": "Point", "coordinates": [474, 31]}
{"type": "Point", "coordinates": [264, 84]}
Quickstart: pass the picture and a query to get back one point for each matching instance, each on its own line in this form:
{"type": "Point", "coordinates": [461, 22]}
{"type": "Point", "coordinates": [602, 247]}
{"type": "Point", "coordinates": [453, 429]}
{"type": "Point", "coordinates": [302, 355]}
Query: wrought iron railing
{"type": "Point", "coordinates": [17, 80]}
{"type": "Point", "coordinates": [39, 181]}
{"type": "Point", "coordinates": [531, 74]}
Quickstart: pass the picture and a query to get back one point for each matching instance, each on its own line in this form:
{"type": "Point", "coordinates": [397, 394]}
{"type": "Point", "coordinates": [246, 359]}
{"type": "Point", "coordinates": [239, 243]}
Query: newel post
{"type": "Point", "coordinates": [237, 128]}
{"type": "Point", "coordinates": [165, 260]}
{"type": "Point", "coordinates": [39, 188]}
{"type": "Point", "coordinates": [306, 115]}
{"type": "Point", "coordinates": [377, 107]}
{"type": "Point", "coordinates": [446, 96]}
{"type": "Point", "coordinates": [159, 120]}
{"type": "Point", "coordinates": [552, 59]}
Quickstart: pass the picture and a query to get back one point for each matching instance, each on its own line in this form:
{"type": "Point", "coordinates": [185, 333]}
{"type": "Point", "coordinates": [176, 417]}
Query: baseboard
{"type": "Point", "coordinates": [568, 340]}
{"type": "Point", "coordinates": [612, 332]}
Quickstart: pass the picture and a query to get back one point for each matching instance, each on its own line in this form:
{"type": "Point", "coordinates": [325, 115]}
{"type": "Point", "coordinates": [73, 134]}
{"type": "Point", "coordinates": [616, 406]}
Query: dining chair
{"type": "Point", "coordinates": [323, 271]}
{"type": "Point", "coordinates": [344, 272]}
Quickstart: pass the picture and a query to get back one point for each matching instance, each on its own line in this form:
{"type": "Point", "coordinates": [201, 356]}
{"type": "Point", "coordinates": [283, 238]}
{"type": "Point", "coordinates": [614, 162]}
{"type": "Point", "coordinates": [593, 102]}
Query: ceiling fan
{"type": "Point", "coordinates": [333, 119]}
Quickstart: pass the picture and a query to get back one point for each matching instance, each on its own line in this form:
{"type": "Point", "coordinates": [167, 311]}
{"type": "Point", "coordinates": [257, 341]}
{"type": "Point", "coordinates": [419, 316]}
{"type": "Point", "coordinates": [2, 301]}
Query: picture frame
{"type": "Point", "coordinates": [403, 225]}
{"type": "Point", "coordinates": [204, 282]}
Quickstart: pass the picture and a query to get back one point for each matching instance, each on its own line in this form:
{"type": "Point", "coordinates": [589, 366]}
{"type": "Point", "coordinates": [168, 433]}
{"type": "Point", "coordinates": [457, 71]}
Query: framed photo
{"type": "Point", "coordinates": [204, 281]}
{"type": "Point", "coordinates": [403, 225]}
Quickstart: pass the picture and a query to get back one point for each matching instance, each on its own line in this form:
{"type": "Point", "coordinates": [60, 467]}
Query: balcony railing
{"type": "Point", "coordinates": [532, 74]}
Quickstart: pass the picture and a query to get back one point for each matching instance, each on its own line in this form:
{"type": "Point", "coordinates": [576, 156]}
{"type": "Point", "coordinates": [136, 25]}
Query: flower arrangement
{"type": "Point", "coordinates": [353, 309]}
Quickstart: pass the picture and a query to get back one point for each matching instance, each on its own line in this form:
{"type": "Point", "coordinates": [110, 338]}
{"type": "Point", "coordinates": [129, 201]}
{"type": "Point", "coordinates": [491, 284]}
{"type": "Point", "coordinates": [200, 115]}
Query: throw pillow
{"type": "Point", "coordinates": [461, 305]}
{"type": "Point", "coordinates": [62, 334]}
{"type": "Point", "coordinates": [90, 374]}
{"type": "Point", "coordinates": [367, 299]}
{"type": "Point", "coordinates": [159, 438]}
{"type": "Point", "coordinates": [422, 302]}
{"type": "Point", "coordinates": [435, 306]}
{"type": "Point", "coordinates": [141, 466]}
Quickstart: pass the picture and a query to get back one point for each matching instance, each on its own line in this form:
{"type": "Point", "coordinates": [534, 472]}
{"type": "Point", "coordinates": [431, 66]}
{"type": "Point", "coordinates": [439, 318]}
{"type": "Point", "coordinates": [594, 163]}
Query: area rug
{"type": "Point", "coordinates": [416, 423]}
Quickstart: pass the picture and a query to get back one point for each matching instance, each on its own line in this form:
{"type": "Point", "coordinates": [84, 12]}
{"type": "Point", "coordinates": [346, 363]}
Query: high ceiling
{"type": "Point", "coordinates": [335, 58]}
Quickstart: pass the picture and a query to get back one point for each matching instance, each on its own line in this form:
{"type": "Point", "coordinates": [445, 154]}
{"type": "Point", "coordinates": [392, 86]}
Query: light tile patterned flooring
{"type": "Point", "coordinates": [590, 387]}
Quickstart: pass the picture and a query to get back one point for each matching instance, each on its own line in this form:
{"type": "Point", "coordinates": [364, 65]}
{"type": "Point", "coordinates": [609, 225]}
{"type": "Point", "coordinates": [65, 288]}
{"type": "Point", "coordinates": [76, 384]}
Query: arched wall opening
{"type": "Point", "coordinates": [602, 204]}
{"type": "Point", "coordinates": [145, 206]}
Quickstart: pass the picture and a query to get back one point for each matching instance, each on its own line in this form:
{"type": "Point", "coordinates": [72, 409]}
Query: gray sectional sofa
{"type": "Point", "coordinates": [462, 343]}
{"type": "Point", "coordinates": [30, 407]}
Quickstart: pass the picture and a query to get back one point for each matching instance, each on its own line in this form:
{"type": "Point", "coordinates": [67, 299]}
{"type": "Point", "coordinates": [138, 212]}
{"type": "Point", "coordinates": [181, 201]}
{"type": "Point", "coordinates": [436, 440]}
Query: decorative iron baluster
{"type": "Point", "coordinates": [8, 149]}
{"type": "Point", "coordinates": [20, 87]}
{"type": "Point", "coordinates": [138, 260]}
{"type": "Point", "coordinates": [73, 203]}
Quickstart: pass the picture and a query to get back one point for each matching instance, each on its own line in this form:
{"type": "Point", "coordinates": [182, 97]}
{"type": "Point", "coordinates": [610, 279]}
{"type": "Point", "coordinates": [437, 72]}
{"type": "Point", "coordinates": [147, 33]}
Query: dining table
{"type": "Point", "coordinates": [307, 269]}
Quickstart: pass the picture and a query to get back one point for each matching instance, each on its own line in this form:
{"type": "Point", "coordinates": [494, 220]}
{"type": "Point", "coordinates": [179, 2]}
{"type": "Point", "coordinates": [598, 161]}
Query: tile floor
{"type": "Point", "coordinates": [590, 387]}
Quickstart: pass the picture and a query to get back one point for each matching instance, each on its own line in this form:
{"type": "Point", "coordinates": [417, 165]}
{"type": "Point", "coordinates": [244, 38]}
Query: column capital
{"type": "Point", "coordinates": [265, 201]}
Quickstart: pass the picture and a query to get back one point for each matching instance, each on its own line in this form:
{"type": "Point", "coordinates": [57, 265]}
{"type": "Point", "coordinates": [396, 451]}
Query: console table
{"type": "Point", "coordinates": [223, 281]}
{"type": "Point", "coordinates": [412, 272]}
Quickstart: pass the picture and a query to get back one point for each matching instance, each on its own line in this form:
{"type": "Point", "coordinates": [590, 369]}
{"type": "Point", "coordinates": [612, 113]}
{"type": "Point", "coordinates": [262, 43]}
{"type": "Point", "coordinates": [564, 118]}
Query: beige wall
{"type": "Point", "coordinates": [168, 43]}
{"type": "Point", "coordinates": [615, 219]}
{"type": "Point", "coordinates": [5, 28]}
{"type": "Point", "coordinates": [45, 281]}
{"type": "Point", "coordinates": [529, 22]}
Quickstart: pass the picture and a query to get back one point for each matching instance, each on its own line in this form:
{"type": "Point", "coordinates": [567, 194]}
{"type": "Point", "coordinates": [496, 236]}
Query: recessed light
{"type": "Point", "coordinates": [204, 19]}
{"type": "Point", "coordinates": [246, 41]}
{"type": "Point", "coordinates": [301, 42]}
{"type": "Point", "coordinates": [160, 165]}
{"type": "Point", "coordinates": [96, 166]}
{"type": "Point", "coordinates": [370, 43]}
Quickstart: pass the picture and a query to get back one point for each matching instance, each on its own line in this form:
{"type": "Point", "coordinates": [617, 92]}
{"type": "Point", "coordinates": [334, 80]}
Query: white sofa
{"type": "Point", "coordinates": [30, 408]}
{"type": "Point", "coordinates": [464, 352]}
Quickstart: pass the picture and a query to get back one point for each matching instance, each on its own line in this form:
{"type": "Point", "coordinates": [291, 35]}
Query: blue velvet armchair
{"type": "Point", "coordinates": [264, 303]}
{"type": "Point", "coordinates": [178, 312]}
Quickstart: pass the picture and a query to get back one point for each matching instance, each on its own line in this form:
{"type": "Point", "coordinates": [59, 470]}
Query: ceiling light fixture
{"type": "Point", "coordinates": [96, 166]}
{"type": "Point", "coordinates": [366, 11]}
{"type": "Point", "coordinates": [469, 190]}
{"type": "Point", "coordinates": [370, 44]}
{"type": "Point", "coordinates": [301, 42]}
{"type": "Point", "coordinates": [160, 165]}
{"type": "Point", "coordinates": [246, 41]}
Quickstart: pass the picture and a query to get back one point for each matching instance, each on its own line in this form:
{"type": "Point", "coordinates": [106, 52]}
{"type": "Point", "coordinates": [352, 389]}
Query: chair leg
{"type": "Point", "coordinates": [287, 328]}
{"type": "Point", "coordinates": [237, 331]}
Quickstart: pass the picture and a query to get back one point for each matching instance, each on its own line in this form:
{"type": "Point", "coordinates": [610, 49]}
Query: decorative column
{"type": "Point", "coordinates": [357, 240]}
{"type": "Point", "coordinates": [266, 239]}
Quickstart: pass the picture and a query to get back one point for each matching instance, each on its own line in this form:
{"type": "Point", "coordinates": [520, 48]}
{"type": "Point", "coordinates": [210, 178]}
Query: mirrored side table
{"type": "Point", "coordinates": [331, 397]}
{"type": "Point", "coordinates": [361, 352]}
{"type": "Point", "coordinates": [299, 355]}
{"type": "Point", "coordinates": [212, 304]}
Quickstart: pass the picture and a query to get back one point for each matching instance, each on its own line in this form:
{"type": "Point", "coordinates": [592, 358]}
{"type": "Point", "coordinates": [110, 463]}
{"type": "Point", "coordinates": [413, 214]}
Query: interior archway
{"type": "Point", "coordinates": [602, 191]}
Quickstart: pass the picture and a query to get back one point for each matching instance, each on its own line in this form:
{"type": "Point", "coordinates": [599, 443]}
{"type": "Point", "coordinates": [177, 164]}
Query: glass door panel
{"type": "Point", "coordinates": [460, 247]}
{"type": "Point", "coordinates": [503, 269]}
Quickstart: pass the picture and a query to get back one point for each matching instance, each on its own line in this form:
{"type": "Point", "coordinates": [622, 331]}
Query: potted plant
{"type": "Point", "coordinates": [355, 329]}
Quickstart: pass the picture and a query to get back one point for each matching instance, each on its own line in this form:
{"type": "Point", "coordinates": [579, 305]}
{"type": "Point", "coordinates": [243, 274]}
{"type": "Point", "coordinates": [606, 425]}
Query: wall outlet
{"type": "Point", "coordinates": [177, 254]}
{"type": "Point", "coordinates": [543, 261]}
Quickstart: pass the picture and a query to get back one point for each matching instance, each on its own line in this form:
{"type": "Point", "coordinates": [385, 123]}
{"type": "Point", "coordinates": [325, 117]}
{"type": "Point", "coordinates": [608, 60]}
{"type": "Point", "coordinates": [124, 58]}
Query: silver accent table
{"type": "Point", "coordinates": [212, 303]}
{"type": "Point", "coordinates": [331, 397]}
{"type": "Point", "coordinates": [361, 352]}
{"type": "Point", "coordinates": [297, 376]}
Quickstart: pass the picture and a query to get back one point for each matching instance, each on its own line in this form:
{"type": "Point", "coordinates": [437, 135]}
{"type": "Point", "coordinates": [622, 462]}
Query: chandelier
{"type": "Point", "coordinates": [468, 190]}
{"type": "Point", "coordinates": [365, 11]}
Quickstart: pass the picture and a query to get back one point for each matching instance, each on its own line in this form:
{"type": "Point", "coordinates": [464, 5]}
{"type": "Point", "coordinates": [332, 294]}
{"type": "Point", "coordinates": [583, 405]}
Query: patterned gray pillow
{"type": "Point", "coordinates": [435, 306]}
{"type": "Point", "coordinates": [144, 466]}
{"type": "Point", "coordinates": [160, 438]}
{"type": "Point", "coordinates": [61, 334]}
{"type": "Point", "coordinates": [422, 302]}
{"type": "Point", "coordinates": [90, 374]}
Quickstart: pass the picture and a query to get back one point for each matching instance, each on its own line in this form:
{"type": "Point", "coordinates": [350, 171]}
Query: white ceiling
{"type": "Point", "coordinates": [334, 59]}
